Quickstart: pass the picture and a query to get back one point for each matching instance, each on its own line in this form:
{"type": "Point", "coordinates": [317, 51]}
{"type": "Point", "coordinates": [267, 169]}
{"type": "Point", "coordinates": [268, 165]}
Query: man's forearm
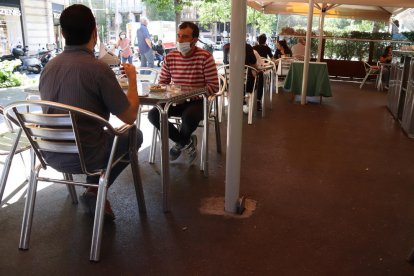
{"type": "Point", "coordinates": [148, 41]}
{"type": "Point", "coordinates": [132, 95]}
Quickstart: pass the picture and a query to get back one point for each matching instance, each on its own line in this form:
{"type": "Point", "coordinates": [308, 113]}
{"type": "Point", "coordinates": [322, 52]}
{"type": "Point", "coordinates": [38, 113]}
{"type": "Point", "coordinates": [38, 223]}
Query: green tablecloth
{"type": "Point", "coordinates": [318, 79]}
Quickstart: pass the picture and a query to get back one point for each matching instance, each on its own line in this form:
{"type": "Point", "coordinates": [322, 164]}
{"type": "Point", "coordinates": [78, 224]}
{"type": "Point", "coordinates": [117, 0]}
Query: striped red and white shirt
{"type": "Point", "coordinates": [199, 69]}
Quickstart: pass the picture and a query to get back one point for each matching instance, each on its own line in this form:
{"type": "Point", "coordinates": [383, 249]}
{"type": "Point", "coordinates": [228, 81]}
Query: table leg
{"type": "Point", "coordinates": [165, 169]}
{"type": "Point", "coordinates": [204, 154]}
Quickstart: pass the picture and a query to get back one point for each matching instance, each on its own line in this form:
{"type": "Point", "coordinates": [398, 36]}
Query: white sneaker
{"type": "Point", "coordinates": [245, 109]}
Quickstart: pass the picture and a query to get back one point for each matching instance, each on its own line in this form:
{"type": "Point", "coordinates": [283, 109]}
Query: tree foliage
{"type": "Point", "coordinates": [154, 13]}
{"type": "Point", "coordinates": [217, 11]}
{"type": "Point", "coordinates": [220, 11]}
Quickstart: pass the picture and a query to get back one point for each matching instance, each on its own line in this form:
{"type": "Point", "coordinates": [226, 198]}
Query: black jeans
{"type": "Point", "coordinates": [191, 114]}
{"type": "Point", "coordinates": [70, 163]}
{"type": "Point", "coordinates": [259, 84]}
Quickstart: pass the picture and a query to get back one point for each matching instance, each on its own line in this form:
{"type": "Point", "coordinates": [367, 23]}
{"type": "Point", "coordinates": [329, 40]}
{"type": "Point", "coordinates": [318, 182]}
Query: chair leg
{"type": "Point", "coordinates": [364, 80]}
{"type": "Point", "coordinates": [251, 108]}
{"type": "Point", "coordinates": [137, 182]}
{"type": "Point", "coordinates": [5, 174]}
{"type": "Point", "coordinates": [266, 87]}
{"type": "Point", "coordinates": [153, 146]}
{"type": "Point", "coordinates": [71, 188]}
{"type": "Point", "coordinates": [138, 121]}
{"type": "Point", "coordinates": [218, 134]}
{"type": "Point", "coordinates": [277, 84]}
{"type": "Point", "coordinates": [219, 107]}
{"type": "Point", "coordinates": [272, 76]}
{"type": "Point", "coordinates": [8, 163]}
{"type": "Point", "coordinates": [29, 206]}
{"type": "Point", "coordinates": [99, 219]}
{"type": "Point", "coordinates": [410, 257]}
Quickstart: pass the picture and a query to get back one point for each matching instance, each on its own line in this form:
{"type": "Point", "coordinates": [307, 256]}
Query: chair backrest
{"type": "Point", "coordinates": [147, 74]}
{"type": "Point", "coordinates": [371, 69]}
{"type": "Point", "coordinates": [224, 70]}
{"type": "Point", "coordinates": [57, 132]}
{"type": "Point", "coordinates": [222, 85]}
{"type": "Point", "coordinates": [284, 66]}
{"type": "Point", "coordinates": [269, 65]}
{"type": "Point", "coordinates": [267, 62]}
{"type": "Point", "coordinates": [249, 70]}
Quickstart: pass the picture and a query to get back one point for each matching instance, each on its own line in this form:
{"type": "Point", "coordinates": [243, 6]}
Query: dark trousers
{"type": "Point", "coordinates": [159, 58]}
{"type": "Point", "coordinates": [259, 84]}
{"type": "Point", "coordinates": [70, 163]}
{"type": "Point", "coordinates": [191, 114]}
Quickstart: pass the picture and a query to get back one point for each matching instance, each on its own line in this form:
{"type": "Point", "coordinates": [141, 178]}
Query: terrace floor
{"type": "Point", "coordinates": [333, 183]}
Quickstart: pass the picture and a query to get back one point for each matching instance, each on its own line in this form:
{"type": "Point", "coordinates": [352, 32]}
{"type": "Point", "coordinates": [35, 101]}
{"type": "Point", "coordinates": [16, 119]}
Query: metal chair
{"type": "Point", "coordinates": [11, 143]}
{"type": "Point", "coordinates": [147, 74]}
{"type": "Point", "coordinates": [213, 107]}
{"type": "Point", "coordinates": [251, 97]}
{"type": "Point", "coordinates": [371, 70]}
{"type": "Point", "coordinates": [59, 133]}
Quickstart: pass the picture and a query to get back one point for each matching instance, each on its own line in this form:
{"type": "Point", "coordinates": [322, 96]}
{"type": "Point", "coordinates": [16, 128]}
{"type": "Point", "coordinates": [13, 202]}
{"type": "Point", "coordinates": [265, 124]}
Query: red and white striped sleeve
{"type": "Point", "coordinates": [165, 75]}
{"type": "Point", "coordinates": [210, 75]}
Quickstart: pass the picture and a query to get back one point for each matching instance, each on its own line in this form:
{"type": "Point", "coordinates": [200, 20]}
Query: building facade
{"type": "Point", "coordinates": [32, 23]}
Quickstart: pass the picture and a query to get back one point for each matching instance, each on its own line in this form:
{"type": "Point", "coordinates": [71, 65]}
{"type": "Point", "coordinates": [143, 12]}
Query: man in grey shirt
{"type": "Point", "coordinates": [145, 44]}
{"type": "Point", "coordinates": [75, 77]}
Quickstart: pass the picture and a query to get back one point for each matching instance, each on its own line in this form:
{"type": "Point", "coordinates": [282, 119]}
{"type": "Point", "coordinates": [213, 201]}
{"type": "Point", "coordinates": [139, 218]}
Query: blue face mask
{"type": "Point", "coordinates": [184, 47]}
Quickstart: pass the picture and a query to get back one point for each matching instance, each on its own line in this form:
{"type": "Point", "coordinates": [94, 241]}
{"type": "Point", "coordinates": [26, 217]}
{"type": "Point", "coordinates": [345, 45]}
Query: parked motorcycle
{"type": "Point", "coordinates": [45, 55]}
{"type": "Point", "coordinates": [29, 64]}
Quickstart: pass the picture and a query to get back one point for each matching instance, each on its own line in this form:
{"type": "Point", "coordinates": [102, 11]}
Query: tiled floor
{"type": "Point", "coordinates": [334, 185]}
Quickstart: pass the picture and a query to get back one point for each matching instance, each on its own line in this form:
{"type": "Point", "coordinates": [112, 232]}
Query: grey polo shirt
{"type": "Point", "coordinates": [75, 77]}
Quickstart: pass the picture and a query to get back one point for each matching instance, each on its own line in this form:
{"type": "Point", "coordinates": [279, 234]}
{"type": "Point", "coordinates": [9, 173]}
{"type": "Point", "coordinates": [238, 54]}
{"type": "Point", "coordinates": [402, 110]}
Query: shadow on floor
{"type": "Point", "coordinates": [334, 191]}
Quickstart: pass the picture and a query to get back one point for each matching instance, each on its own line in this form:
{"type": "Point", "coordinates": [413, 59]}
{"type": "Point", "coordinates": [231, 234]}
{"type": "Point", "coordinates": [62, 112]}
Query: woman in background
{"type": "Point", "coordinates": [125, 48]}
{"type": "Point", "coordinates": [386, 58]}
{"type": "Point", "coordinates": [282, 49]}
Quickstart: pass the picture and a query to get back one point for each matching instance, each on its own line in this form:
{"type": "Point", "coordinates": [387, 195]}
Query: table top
{"type": "Point", "coordinates": [174, 94]}
{"type": "Point", "coordinates": [318, 79]}
{"type": "Point", "coordinates": [171, 94]}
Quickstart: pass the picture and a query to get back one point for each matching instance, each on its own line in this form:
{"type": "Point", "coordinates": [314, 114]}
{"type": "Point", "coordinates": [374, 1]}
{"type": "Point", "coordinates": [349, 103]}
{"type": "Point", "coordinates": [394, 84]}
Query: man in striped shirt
{"type": "Point", "coordinates": [193, 66]}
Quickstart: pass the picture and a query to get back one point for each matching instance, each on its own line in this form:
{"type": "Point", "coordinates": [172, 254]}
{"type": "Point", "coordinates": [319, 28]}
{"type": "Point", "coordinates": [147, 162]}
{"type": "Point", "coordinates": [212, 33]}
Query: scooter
{"type": "Point", "coordinates": [29, 64]}
{"type": "Point", "coordinates": [45, 55]}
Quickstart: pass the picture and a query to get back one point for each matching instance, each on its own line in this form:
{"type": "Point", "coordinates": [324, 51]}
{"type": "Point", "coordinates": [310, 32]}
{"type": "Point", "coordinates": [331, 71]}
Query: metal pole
{"type": "Point", "coordinates": [321, 23]}
{"type": "Point", "coordinates": [307, 54]}
{"type": "Point", "coordinates": [234, 130]}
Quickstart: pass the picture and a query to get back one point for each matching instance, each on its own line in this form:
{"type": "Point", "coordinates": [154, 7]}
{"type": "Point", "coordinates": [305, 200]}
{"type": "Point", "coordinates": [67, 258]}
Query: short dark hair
{"type": "Point", "coordinates": [192, 26]}
{"type": "Point", "coordinates": [77, 23]}
{"type": "Point", "coordinates": [262, 39]}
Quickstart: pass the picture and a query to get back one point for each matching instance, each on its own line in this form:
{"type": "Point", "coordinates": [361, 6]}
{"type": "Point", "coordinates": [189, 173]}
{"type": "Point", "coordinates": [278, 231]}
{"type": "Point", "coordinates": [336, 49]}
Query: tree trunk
{"type": "Point", "coordinates": [177, 14]}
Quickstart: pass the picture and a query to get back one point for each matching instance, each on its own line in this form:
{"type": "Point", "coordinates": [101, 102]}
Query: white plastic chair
{"type": "Point", "coordinates": [268, 81]}
{"type": "Point", "coordinates": [283, 66]}
{"type": "Point", "coordinates": [371, 70]}
{"type": "Point", "coordinates": [252, 96]}
{"type": "Point", "coordinates": [224, 76]}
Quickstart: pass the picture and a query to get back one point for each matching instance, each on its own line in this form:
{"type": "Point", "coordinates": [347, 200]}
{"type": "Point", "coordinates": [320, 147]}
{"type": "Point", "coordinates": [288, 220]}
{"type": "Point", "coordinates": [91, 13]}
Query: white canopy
{"type": "Point", "coordinates": [354, 9]}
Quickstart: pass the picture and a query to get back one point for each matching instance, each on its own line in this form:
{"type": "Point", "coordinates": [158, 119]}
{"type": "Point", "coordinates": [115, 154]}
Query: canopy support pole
{"type": "Point", "coordinates": [321, 23]}
{"type": "Point", "coordinates": [307, 54]}
{"type": "Point", "coordinates": [235, 119]}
